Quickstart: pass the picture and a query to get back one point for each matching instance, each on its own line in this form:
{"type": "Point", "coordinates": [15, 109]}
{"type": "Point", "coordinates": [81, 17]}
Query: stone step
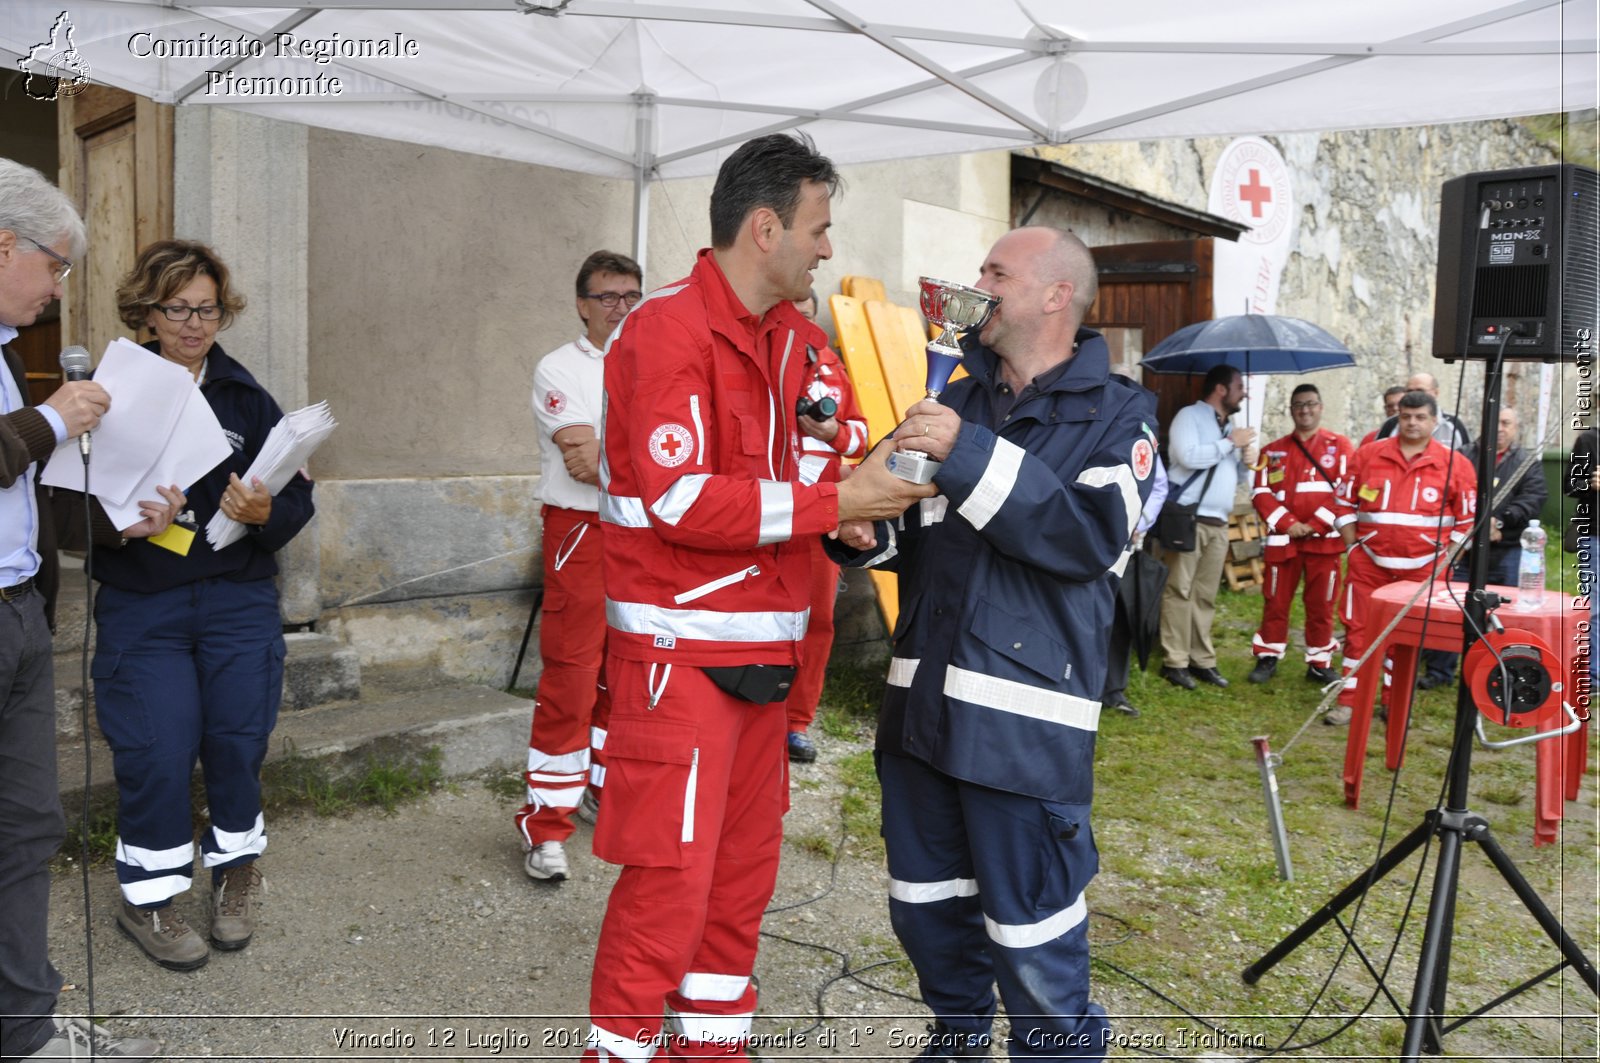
{"type": "Point", "coordinates": [317, 670]}
{"type": "Point", "coordinates": [476, 728]}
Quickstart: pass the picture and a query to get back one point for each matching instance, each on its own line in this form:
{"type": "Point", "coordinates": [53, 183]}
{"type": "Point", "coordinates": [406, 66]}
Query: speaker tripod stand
{"type": "Point", "coordinates": [1455, 826]}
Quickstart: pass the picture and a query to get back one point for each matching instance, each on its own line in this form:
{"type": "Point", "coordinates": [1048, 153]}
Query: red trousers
{"type": "Point", "coordinates": [801, 707]}
{"type": "Point", "coordinates": [697, 783]}
{"type": "Point", "coordinates": [1321, 574]}
{"type": "Point", "coordinates": [1361, 578]}
{"type": "Point", "coordinates": [571, 705]}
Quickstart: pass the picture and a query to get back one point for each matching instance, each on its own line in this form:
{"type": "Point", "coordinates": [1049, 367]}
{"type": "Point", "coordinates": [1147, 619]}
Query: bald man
{"type": "Point", "coordinates": [986, 734]}
{"type": "Point", "coordinates": [1450, 431]}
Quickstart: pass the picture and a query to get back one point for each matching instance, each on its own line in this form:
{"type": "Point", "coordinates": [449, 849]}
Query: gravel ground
{"type": "Point", "coordinates": [418, 935]}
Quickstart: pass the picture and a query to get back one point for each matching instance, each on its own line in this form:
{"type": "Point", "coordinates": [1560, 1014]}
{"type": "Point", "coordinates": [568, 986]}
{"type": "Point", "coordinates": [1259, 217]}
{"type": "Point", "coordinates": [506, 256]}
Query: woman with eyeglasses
{"type": "Point", "coordinates": [188, 661]}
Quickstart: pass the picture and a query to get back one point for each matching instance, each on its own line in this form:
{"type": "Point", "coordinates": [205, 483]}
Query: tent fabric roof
{"type": "Point", "coordinates": [666, 88]}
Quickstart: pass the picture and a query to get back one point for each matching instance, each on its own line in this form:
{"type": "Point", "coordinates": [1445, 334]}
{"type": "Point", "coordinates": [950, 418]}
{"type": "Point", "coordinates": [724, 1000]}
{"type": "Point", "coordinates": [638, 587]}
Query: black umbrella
{"type": "Point", "coordinates": [1139, 601]}
{"type": "Point", "coordinates": [1251, 343]}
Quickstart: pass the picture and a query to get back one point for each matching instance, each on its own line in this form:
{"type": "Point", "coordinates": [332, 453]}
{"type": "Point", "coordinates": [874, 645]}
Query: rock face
{"type": "Point", "coordinates": [1364, 254]}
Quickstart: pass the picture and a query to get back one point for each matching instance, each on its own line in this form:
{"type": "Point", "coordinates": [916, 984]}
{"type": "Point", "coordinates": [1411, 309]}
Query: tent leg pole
{"type": "Point", "coordinates": [643, 163]}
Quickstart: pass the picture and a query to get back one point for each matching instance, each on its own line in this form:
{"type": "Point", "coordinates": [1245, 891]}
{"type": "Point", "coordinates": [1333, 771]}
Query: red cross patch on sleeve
{"type": "Point", "coordinates": [555, 402]}
{"type": "Point", "coordinates": [1144, 459]}
{"type": "Point", "coordinates": [671, 445]}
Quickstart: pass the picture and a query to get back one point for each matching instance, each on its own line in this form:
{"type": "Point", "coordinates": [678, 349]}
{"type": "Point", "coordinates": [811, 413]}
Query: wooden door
{"type": "Point", "coordinates": [1147, 292]}
{"type": "Point", "coordinates": [116, 165]}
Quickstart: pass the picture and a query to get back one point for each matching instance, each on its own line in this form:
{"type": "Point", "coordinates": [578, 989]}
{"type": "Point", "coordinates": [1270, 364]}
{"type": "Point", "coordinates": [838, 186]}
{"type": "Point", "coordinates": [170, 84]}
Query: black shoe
{"type": "Point", "coordinates": [946, 1043]}
{"type": "Point", "coordinates": [1208, 675]}
{"type": "Point", "coordinates": [1120, 704]}
{"type": "Point", "coordinates": [1178, 677]}
{"type": "Point", "coordinates": [1320, 676]}
{"type": "Point", "coordinates": [801, 751]}
{"type": "Point", "coordinates": [1265, 669]}
{"type": "Point", "coordinates": [1431, 680]}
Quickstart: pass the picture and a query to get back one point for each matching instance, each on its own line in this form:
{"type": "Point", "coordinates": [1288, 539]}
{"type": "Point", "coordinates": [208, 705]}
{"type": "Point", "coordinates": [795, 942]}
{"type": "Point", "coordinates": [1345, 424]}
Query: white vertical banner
{"type": "Point", "coordinates": [1547, 377]}
{"type": "Point", "coordinates": [1251, 186]}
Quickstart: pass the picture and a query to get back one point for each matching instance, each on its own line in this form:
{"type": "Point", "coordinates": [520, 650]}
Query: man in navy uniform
{"type": "Point", "coordinates": [1007, 584]}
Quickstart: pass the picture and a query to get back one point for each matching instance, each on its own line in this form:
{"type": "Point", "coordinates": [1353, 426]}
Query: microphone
{"type": "Point", "coordinates": [75, 362]}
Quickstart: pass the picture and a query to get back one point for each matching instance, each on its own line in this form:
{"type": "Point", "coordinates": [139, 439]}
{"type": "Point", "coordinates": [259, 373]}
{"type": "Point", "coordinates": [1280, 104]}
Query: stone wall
{"type": "Point", "coordinates": [1365, 252]}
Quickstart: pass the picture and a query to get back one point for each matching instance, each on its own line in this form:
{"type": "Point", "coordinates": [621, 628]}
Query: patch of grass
{"type": "Point", "coordinates": [815, 844]}
{"type": "Point", "coordinates": [860, 806]}
{"type": "Point", "coordinates": [291, 783]}
{"type": "Point", "coordinates": [384, 780]}
{"type": "Point", "coordinates": [854, 691]}
{"type": "Point", "coordinates": [506, 786]}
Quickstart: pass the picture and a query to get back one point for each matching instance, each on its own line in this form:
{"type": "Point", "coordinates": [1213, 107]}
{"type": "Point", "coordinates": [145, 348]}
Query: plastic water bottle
{"type": "Point", "coordinates": [1530, 574]}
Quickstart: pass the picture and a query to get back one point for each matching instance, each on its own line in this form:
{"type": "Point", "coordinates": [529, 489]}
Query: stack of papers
{"type": "Point", "coordinates": [289, 445]}
{"type": "Point", "coordinates": [159, 430]}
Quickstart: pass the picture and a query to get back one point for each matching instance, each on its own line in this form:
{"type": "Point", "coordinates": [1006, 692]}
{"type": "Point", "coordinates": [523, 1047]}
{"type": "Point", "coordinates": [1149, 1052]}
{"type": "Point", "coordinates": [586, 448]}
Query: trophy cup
{"type": "Point", "coordinates": [954, 308]}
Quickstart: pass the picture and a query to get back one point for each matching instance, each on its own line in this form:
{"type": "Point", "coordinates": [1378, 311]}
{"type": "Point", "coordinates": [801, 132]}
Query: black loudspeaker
{"type": "Point", "coordinates": [1519, 252]}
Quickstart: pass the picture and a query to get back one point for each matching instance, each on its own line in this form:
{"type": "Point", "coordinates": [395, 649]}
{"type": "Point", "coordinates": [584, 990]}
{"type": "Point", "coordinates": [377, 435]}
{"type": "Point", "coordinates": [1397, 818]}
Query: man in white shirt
{"type": "Point", "coordinates": [1205, 461]}
{"type": "Point", "coordinates": [571, 705]}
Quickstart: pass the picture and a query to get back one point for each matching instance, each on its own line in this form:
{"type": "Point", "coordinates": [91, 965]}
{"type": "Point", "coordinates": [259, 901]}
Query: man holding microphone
{"type": "Point", "coordinates": [40, 236]}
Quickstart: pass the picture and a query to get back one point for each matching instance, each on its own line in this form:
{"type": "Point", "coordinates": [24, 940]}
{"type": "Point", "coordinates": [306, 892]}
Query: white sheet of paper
{"type": "Point", "coordinates": [159, 430]}
{"type": "Point", "coordinates": [148, 394]}
{"type": "Point", "coordinates": [196, 446]}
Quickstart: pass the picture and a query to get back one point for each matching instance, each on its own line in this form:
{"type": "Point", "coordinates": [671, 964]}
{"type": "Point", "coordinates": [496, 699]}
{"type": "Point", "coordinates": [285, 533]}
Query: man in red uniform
{"type": "Point", "coordinates": [566, 740]}
{"type": "Point", "coordinates": [826, 438]}
{"type": "Point", "coordinates": [707, 560]}
{"type": "Point", "coordinates": [1294, 493]}
{"type": "Point", "coordinates": [1412, 497]}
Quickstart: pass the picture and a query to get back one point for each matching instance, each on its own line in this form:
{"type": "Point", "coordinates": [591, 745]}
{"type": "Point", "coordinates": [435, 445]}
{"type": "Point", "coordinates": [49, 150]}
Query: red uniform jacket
{"type": "Point", "coordinates": [1406, 512]}
{"type": "Point", "coordinates": [1289, 490]}
{"type": "Point", "coordinates": [707, 558]}
{"type": "Point", "coordinates": [826, 377]}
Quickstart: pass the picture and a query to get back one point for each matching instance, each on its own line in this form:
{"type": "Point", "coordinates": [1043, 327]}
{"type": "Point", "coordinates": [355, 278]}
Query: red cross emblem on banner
{"type": "Point", "coordinates": [669, 445]}
{"type": "Point", "coordinates": [1255, 193]}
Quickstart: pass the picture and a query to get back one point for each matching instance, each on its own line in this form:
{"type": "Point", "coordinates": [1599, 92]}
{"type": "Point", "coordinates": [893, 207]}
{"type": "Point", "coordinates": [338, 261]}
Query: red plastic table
{"type": "Point", "coordinates": [1559, 762]}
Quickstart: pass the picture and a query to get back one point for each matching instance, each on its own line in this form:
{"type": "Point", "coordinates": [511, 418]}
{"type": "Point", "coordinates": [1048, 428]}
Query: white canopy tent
{"type": "Point", "coordinates": [664, 88]}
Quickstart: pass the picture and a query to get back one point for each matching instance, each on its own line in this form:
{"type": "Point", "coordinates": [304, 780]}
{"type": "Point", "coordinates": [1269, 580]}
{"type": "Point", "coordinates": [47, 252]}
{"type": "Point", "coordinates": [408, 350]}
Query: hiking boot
{"type": "Point", "coordinates": [1266, 667]}
{"type": "Point", "coordinates": [589, 805]}
{"type": "Point", "coordinates": [947, 1043]}
{"type": "Point", "coordinates": [71, 1041]}
{"type": "Point", "coordinates": [801, 749]}
{"type": "Point", "coordinates": [164, 936]}
{"type": "Point", "coordinates": [1337, 716]}
{"type": "Point", "coordinates": [1320, 675]}
{"type": "Point", "coordinates": [547, 862]}
{"type": "Point", "coordinates": [233, 906]}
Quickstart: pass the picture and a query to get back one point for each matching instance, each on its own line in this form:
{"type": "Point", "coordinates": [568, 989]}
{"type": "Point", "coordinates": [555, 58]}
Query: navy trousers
{"type": "Point", "coordinates": [31, 825]}
{"type": "Point", "coordinates": [191, 673]}
{"type": "Point", "coordinates": [986, 887]}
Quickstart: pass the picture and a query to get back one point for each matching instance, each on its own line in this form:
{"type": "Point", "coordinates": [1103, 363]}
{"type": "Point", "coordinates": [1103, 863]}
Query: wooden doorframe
{"type": "Point", "coordinates": [1158, 287]}
{"type": "Point", "coordinates": [95, 111]}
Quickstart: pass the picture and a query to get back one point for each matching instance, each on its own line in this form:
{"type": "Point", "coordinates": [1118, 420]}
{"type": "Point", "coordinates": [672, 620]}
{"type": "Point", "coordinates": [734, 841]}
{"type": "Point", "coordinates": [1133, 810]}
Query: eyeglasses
{"type": "Point", "coordinates": [1296, 407]}
{"type": "Point", "coordinates": [63, 265]}
{"type": "Point", "coordinates": [609, 300]}
{"type": "Point", "coordinates": [180, 313]}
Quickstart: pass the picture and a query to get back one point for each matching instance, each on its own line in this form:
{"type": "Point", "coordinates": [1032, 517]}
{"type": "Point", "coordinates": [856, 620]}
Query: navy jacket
{"type": "Point", "coordinates": [1008, 578]}
{"type": "Point", "coordinates": [247, 413]}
